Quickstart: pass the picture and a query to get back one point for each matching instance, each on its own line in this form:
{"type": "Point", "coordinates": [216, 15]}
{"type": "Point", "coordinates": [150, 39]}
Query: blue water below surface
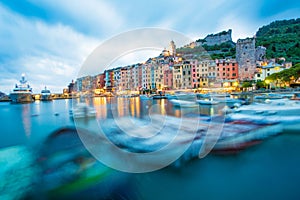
{"type": "Point", "coordinates": [269, 170]}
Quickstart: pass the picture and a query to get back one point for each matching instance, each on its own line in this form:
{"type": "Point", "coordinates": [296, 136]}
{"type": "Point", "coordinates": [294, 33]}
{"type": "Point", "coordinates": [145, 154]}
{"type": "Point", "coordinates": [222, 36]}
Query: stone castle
{"type": "Point", "coordinates": [216, 39]}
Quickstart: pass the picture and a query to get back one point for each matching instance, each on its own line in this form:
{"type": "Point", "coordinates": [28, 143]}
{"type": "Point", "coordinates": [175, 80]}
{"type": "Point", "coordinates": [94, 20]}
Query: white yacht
{"type": "Point", "coordinates": [22, 92]}
{"type": "Point", "coordinates": [46, 95]}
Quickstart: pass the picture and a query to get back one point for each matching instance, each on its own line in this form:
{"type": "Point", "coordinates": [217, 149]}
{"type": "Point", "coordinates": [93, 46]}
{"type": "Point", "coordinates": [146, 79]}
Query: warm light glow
{"type": "Point", "coordinates": [267, 81]}
{"type": "Point", "coordinates": [37, 97]}
{"type": "Point", "coordinates": [235, 84]}
{"type": "Point", "coordinates": [226, 84]}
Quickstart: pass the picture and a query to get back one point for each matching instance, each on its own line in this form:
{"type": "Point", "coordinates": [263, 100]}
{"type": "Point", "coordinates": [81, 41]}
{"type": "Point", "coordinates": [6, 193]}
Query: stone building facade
{"type": "Point", "coordinates": [245, 56]}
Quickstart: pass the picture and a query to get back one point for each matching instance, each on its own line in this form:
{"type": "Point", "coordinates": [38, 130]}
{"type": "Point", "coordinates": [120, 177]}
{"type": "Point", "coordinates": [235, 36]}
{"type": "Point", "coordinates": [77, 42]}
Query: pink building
{"type": "Point", "coordinates": [195, 74]}
{"type": "Point", "coordinates": [168, 79]}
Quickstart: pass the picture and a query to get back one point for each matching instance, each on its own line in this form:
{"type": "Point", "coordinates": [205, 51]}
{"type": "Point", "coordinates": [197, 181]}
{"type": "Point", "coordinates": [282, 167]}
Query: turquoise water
{"type": "Point", "coordinates": [269, 170]}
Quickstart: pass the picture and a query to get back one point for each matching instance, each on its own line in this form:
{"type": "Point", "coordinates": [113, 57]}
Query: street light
{"type": "Point", "coordinates": [267, 82]}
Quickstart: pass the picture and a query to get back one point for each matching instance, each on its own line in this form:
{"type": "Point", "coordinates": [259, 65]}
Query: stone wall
{"type": "Point", "coordinates": [217, 39]}
{"type": "Point", "coordinates": [260, 53]}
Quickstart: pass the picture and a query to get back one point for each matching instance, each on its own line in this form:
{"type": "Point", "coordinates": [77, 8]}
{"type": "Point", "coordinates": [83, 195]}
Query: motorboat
{"type": "Point", "coordinates": [296, 96]}
{"type": "Point", "coordinates": [46, 95]}
{"type": "Point", "coordinates": [282, 111]}
{"type": "Point", "coordinates": [22, 92]}
{"type": "Point", "coordinates": [82, 111]}
{"type": "Point", "coordinates": [270, 96]}
{"type": "Point", "coordinates": [181, 96]}
{"type": "Point", "coordinates": [146, 97]}
{"type": "Point", "coordinates": [207, 102]}
{"type": "Point", "coordinates": [183, 103]}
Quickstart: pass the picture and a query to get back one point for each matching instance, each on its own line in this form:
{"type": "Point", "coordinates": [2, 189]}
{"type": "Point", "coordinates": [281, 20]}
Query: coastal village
{"type": "Point", "coordinates": [175, 70]}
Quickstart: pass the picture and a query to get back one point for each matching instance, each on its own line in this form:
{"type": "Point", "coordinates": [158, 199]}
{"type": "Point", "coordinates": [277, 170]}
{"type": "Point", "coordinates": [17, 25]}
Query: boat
{"type": "Point", "coordinates": [158, 96]}
{"type": "Point", "coordinates": [207, 102]}
{"type": "Point", "coordinates": [46, 95]}
{"type": "Point", "coordinates": [146, 97]}
{"type": "Point", "coordinates": [181, 96]}
{"type": "Point", "coordinates": [22, 92]}
{"type": "Point", "coordinates": [82, 111]}
{"type": "Point", "coordinates": [183, 103]}
{"type": "Point", "coordinates": [296, 96]}
{"type": "Point", "coordinates": [268, 96]}
{"type": "Point", "coordinates": [282, 111]}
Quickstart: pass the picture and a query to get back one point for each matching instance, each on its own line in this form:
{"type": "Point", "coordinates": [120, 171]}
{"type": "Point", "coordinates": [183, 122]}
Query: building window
{"type": "Point", "coordinates": [228, 69]}
{"type": "Point", "coordinates": [258, 75]}
{"type": "Point", "coordinates": [223, 74]}
{"type": "Point", "coordinates": [246, 69]}
{"type": "Point", "coordinates": [234, 74]}
{"type": "Point", "coordinates": [223, 69]}
{"type": "Point", "coordinates": [233, 69]}
{"type": "Point", "coordinates": [233, 64]}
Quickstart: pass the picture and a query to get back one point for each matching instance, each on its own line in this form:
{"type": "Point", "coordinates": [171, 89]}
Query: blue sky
{"type": "Point", "coordinates": [49, 40]}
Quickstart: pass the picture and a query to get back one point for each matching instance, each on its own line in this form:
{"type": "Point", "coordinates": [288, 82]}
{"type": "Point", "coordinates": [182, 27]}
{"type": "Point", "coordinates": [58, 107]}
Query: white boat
{"type": "Point", "coordinates": [181, 96]}
{"type": "Point", "coordinates": [183, 104]}
{"type": "Point", "coordinates": [46, 95]}
{"type": "Point", "coordinates": [269, 96]}
{"type": "Point", "coordinates": [207, 102]}
{"type": "Point", "coordinates": [22, 92]}
{"type": "Point", "coordinates": [146, 97]}
{"type": "Point", "coordinates": [282, 111]}
{"type": "Point", "coordinates": [81, 110]}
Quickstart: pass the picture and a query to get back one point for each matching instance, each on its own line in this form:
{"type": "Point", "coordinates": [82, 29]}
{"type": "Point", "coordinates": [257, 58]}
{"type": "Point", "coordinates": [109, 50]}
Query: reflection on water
{"type": "Point", "coordinates": [26, 120]}
{"type": "Point", "coordinates": [134, 107]}
{"type": "Point", "coordinates": [270, 169]}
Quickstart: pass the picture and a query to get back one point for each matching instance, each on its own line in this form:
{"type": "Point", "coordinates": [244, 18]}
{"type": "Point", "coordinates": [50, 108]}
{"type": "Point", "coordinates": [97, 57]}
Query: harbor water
{"type": "Point", "coordinates": [269, 170]}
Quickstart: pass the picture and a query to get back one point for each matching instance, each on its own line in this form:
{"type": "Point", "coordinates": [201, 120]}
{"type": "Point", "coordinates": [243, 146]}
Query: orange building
{"type": "Point", "coordinates": [227, 69]}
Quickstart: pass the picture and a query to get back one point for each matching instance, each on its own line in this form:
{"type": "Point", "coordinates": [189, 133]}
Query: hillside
{"type": "Point", "coordinates": [218, 46]}
{"type": "Point", "coordinates": [282, 39]}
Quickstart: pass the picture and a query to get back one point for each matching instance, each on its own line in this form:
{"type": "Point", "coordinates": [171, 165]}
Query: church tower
{"type": "Point", "coordinates": [172, 48]}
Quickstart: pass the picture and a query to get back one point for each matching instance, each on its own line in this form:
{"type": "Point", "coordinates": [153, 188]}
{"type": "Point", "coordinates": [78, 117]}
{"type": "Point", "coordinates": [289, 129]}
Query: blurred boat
{"type": "Point", "coordinates": [182, 96]}
{"type": "Point", "coordinates": [282, 111]}
{"type": "Point", "coordinates": [207, 102]}
{"type": "Point", "coordinates": [81, 110]}
{"type": "Point", "coordinates": [270, 96]}
{"type": "Point", "coordinates": [296, 96]}
{"type": "Point", "coordinates": [146, 97]}
{"type": "Point", "coordinates": [158, 96]}
{"type": "Point", "coordinates": [183, 104]}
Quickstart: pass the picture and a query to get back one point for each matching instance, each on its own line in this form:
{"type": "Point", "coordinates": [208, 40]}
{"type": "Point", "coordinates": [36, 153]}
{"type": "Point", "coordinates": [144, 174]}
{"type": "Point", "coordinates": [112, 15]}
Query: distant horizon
{"type": "Point", "coordinates": [50, 40]}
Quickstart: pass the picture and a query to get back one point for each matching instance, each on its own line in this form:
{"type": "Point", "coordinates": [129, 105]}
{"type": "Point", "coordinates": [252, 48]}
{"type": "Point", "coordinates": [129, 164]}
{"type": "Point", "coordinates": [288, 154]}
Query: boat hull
{"type": "Point", "coordinates": [21, 97]}
{"type": "Point", "coordinates": [46, 97]}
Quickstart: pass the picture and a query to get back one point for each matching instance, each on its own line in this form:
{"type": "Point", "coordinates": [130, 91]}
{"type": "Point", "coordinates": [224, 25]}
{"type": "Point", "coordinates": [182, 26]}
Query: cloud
{"type": "Point", "coordinates": [89, 17]}
{"type": "Point", "coordinates": [40, 50]}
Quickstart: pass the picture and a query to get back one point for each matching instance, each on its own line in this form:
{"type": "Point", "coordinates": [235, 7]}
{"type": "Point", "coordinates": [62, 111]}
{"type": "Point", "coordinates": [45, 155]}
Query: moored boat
{"type": "Point", "coordinates": [22, 92]}
{"type": "Point", "coordinates": [82, 111]}
{"type": "Point", "coordinates": [207, 102]}
{"type": "Point", "coordinates": [146, 97]}
{"type": "Point", "coordinates": [183, 104]}
{"type": "Point", "coordinates": [282, 111]}
{"type": "Point", "coordinates": [46, 95]}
